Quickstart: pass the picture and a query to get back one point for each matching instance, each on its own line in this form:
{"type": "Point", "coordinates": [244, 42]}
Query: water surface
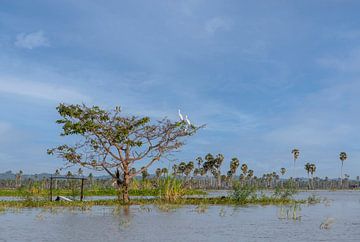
{"type": "Point", "coordinates": [188, 223]}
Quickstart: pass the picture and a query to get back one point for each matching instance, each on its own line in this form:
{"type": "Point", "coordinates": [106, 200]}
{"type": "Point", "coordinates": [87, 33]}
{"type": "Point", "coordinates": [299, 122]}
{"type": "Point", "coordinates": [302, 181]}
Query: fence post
{"type": "Point", "coordinates": [82, 189]}
{"type": "Point", "coordinates": [51, 193]}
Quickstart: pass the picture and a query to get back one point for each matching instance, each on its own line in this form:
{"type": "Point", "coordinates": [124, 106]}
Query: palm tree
{"type": "Point", "coordinates": [296, 154]}
{"type": "Point", "coordinates": [18, 178]}
{"type": "Point", "coordinates": [80, 172]}
{"type": "Point", "coordinates": [244, 168]}
{"type": "Point", "coordinates": [164, 171]}
{"type": "Point", "coordinates": [57, 173]}
{"type": "Point", "coordinates": [308, 169]}
{"type": "Point", "coordinates": [343, 157]}
{"type": "Point", "coordinates": [144, 173]}
{"type": "Point", "coordinates": [158, 173]}
{"type": "Point", "coordinates": [199, 162]}
{"type": "Point", "coordinates": [133, 170]}
{"type": "Point", "coordinates": [312, 171]}
{"type": "Point", "coordinates": [181, 168]}
{"type": "Point", "coordinates": [234, 164]}
{"type": "Point", "coordinates": [250, 175]}
{"type": "Point", "coordinates": [282, 171]}
{"type": "Point", "coordinates": [175, 169]}
{"type": "Point", "coordinates": [91, 177]}
{"type": "Point", "coordinates": [188, 169]}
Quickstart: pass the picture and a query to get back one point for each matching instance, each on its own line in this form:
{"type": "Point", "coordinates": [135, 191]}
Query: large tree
{"type": "Point", "coordinates": [114, 142]}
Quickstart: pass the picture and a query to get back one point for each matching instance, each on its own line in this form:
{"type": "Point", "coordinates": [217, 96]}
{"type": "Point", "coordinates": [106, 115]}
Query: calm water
{"type": "Point", "coordinates": [216, 223]}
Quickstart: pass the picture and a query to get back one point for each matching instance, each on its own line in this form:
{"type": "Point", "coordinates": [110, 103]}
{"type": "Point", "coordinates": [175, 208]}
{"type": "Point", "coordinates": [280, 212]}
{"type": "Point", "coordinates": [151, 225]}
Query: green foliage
{"type": "Point", "coordinates": [242, 192]}
{"type": "Point", "coordinates": [171, 189]}
{"type": "Point", "coordinates": [313, 199]}
{"type": "Point", "coordinates": [113, 142]}
{"type": "Point", "coordinates": [285, 191]}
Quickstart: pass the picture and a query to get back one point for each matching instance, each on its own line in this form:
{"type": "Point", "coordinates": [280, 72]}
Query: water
{"type": "Point", "coordinates": [187, 223]}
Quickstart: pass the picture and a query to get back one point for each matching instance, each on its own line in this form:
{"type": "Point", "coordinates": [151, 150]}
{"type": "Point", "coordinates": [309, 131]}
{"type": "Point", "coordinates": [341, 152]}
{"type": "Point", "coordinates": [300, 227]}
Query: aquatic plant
{"type": "Point", "coordinates": [201, 208]}
{"type": "Point", "coordinates": [286, 191]}
{"type": "Point", "coordinates": [171, 189]}
{"type": "Point", "coordinates": [313, 199]}
{"type": "Point", "coordinates": [291, 211]}
{"type": "Point", "coordinates": [242, 192]}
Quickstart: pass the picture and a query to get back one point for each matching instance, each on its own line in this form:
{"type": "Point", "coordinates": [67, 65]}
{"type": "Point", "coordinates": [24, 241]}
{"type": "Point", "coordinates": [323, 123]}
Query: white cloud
{"type": "Point", "coordinates": [216, 24]}
{"type": "Point", "coordinates": [40, 90]}
{"type": "Point", "coordinates": [31, 40]}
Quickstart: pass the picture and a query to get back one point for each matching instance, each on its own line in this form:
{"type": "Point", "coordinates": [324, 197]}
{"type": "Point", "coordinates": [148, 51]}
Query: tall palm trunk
{"type": "Point", "coordinates": [294, 172]}
{"type": "Point", "coordinates": [341, 175]}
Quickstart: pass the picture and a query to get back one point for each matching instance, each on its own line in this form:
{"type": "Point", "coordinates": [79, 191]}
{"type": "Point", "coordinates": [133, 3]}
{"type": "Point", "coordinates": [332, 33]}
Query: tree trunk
{"type": "Point", "coordinates": [341, 174]}
{"type": "Point", "coordinates": [126, 185]}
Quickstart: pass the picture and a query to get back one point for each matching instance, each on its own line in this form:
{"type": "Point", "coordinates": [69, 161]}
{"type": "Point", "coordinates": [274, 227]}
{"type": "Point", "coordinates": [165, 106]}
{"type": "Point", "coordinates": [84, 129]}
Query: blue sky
{"type": "Point", "coordinates": [265, 76]}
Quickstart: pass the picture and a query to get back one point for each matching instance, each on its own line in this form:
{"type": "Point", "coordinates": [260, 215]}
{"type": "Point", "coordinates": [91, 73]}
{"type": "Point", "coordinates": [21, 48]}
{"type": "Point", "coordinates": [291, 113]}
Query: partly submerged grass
{"type": "Point", "coordinates": [93, 192]}
{"type": "Point", "coordinates": [158, 202]}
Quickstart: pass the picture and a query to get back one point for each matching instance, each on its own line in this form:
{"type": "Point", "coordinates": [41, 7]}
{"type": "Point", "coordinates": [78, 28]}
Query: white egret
{"type": "Point", "coordinates": [187, 120]}
{"type": "Point", "coordinates": [180, 115]}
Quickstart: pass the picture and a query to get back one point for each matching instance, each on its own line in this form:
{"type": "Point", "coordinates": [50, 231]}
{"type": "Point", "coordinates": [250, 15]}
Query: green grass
{"type": "Point", "coordinates": [183, 201]}
{"type": "Point", "coordinates": [94, 192]}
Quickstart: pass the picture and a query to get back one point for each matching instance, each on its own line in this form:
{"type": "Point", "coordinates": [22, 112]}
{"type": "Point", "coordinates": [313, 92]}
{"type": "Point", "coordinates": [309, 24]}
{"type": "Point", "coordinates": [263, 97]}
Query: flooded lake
{"type": "Point", "coordinates": [189, 223]}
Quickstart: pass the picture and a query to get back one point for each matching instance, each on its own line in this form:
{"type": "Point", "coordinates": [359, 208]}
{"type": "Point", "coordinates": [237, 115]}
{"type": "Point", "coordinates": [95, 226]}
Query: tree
{"type": "Point", "coordinates": [80, 172]}
{"type": "Point", "coordinates": [91, 177]}
{"type": "Point", "coordinates": [114, 142]}
{"type": "Point", "coordinates": [308, 168]}
{"type": "Point", "coordinates": [244, 168]}
{"type": "Point", "coordinates": [188, 168]}
{"type": "Point", "coordinates": [234, 164]}
{"type": "Point", "coordinates": [18, 178]}
{"type": "Point", "coordinates": [343, 157]}
{"type": "Point", "coordinates": [57, 173]}
{"type": "Point", "coordinates": [296, 154]}
{"type": "Point", "coordinates": [199, 162]}
{"type": "Point", "coordinates": [283, 171]}
{"type": "Point", "coordinates": [144, 173]}
{"type": "Point", "coordinates": [312, 171]}
{"type": "Point", "coordinates": [181, 168]}
{"type": "Point", "coordinates": [164, 171]}
{"type": "Point", "coordinates": [158, 173]}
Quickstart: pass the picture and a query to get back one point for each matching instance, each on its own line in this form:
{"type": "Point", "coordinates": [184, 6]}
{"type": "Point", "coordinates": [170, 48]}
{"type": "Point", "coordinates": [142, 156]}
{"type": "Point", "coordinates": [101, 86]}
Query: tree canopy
{"type": "Point", "coordinates": [114, 142]}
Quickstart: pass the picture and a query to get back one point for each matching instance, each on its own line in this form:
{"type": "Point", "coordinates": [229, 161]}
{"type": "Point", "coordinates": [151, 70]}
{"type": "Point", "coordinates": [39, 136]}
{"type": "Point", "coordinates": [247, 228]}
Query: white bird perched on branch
{"type": "Point", "coordinates": [187, 120]}
{"type": "Point", "coordinates": [180, 115]}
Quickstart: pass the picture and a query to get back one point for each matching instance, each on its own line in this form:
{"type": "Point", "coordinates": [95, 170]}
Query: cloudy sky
{"type": "Point", "coordinates": [265, 76]}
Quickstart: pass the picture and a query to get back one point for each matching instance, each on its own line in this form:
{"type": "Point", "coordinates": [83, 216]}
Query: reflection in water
{"type": "Point", "coordinates": [123, 214]}
{"type": "Point", "coordinates": [335, 218]}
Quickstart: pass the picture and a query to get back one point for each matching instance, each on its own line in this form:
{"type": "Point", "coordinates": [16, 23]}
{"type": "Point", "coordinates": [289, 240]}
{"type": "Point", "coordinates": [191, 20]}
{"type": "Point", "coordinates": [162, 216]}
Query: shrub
{"type": "Point", "coordinates": [171, 189]}
{"type": "Point", "coordinates": [286, 191]}
{"type": "Point", "coordinates": [242, 192]}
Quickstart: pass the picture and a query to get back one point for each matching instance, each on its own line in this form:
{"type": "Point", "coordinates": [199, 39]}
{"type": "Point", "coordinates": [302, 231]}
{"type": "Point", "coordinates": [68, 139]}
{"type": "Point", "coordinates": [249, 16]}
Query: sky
{"type": "Point", "coordinates": [264, 76]}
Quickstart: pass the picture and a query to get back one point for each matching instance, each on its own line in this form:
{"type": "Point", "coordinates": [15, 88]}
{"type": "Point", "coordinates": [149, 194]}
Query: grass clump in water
{"type": "Point", "coordinates": [286, 191]}
{"type": "Point", "coordinates": [242, 193]}
{"type": "Point", "coordinates": [171, 189]}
